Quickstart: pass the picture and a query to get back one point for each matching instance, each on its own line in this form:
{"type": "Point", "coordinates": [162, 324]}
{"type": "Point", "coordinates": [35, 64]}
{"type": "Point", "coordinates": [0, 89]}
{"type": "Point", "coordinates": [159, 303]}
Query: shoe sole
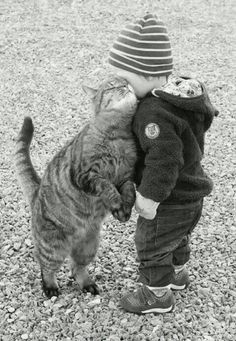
{"type": "Point", "coordinates": [178, 287]}
{"type": "Point", "coordinates": [159, 310]}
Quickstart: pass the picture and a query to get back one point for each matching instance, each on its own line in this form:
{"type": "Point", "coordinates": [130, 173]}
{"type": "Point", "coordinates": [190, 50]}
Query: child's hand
{"type": "Point", "coordinates": [145, 207]}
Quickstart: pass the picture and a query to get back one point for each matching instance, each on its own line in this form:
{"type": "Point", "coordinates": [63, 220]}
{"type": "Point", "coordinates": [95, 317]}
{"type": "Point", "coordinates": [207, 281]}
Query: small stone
{"type": "Point", "coordinates": [208, 338]}
{"type": "Point", "coordinates": [47, 303]}
{"type": "Point", "coordinates": [123, 321]}
{"type": "Point", "coordinates": [53, 299]}
{"type": "Point", "coordinates": [232, 293]}
{"type": "Point", "coordinates": [78, 316]}
{"type": "Point", "coordinates": [188, 317]}
{"type": "Point", "coordinates": [113, 338]}
{"type": "Point", "coordinates": [204, 292]}
{"type": "Point", "coordinates": [87, 326]}
{"type": "Point", "coordinates": [224, 280]}
{"type": "Point", "coordinates": [28, 242]}
{"type": "Point", "coordinates": [24, 336]}
{"type": "Point", "coordinates": [68, 311]}
{"type": "Point", "coordinates": [95, 302]}
{"type": "Point", "coordinates": [16, 246]}
{"type": "Point", "coordinates": [10, 252]}
{"type": "Point", "coordinates": [111, 305]}
{"type": "Point", "coordinates": [11, 310]}
{"type": "Point", "coordinates": [155, 321]}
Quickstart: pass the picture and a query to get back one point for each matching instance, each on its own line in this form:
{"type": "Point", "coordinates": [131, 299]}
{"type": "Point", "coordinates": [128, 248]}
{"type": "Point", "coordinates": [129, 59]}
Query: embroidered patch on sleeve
{"type": "Point", "coordinates": [152, 130]}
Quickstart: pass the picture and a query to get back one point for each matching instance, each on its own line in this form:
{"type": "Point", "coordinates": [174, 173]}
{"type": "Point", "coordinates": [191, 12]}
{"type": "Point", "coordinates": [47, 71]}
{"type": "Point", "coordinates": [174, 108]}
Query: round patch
{"type": "Point", "coordinates": [152, 130]}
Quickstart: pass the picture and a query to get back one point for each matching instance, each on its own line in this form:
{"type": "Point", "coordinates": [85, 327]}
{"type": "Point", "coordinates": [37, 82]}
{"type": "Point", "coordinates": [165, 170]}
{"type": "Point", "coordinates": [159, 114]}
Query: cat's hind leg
{"type": "Point", "coordinates": [50, 261]}
{"type": "Point", "coordinates": [82, 255]}
{"type": "Point", "coordinates": [80, 274]}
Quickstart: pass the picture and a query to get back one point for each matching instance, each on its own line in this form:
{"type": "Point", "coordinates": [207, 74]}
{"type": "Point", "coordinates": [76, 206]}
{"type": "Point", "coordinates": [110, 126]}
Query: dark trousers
{"type": "Point", "coordinates": [163, 242]}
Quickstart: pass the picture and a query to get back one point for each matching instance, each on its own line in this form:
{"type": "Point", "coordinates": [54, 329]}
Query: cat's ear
{"type": "Point", "coordinates": [91, 92]}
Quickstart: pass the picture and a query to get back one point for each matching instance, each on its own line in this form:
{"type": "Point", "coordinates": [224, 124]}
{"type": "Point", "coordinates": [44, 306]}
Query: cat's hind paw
{"type": "Point", "coordinates": [50, 291]}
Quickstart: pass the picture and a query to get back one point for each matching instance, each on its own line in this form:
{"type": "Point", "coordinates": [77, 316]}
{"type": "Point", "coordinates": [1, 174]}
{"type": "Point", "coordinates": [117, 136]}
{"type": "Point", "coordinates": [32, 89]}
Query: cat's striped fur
{"type": "Point", "coordinates": [89, 177]}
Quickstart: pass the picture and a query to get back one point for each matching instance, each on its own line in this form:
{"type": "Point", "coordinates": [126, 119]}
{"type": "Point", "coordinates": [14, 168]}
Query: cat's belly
{"type": "Point", "coordinates": [70, 212]}
{"type": "Point", "coordinates": [126, 165]}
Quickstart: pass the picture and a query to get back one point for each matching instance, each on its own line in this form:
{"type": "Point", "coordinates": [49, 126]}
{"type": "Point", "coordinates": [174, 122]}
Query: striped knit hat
{"type": "Point", "coordinates": [143, 48]}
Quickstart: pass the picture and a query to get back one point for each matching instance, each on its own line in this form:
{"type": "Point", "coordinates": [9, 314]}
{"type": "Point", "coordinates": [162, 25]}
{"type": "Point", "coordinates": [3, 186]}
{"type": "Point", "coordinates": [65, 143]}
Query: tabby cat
{"type": "Point", "coordinates": [88, 178]}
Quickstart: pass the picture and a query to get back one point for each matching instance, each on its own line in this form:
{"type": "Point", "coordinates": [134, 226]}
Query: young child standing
{"type": "Point", "coordinates": [170, 123]}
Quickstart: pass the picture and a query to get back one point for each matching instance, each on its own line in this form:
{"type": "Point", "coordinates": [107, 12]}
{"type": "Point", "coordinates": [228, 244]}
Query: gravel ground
{"type": "Point", "coordinates": [46, 51]}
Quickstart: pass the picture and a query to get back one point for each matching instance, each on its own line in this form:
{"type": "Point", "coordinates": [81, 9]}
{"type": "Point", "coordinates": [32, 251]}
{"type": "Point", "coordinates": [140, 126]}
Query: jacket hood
{"type": "Point", "coordinates": [200, 104]}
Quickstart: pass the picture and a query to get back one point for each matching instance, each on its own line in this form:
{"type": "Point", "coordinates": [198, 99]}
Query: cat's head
{"type": "Point", "coordinates": [114, 94]}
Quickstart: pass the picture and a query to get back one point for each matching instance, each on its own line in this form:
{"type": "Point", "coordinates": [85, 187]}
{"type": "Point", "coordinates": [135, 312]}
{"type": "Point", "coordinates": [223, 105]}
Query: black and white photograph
{"type": "Point", "coordinates": [117, 170]}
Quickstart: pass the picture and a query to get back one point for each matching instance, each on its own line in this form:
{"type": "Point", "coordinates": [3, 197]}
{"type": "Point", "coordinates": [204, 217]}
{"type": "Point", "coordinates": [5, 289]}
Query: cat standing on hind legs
{"type": "Point", "coordinates": [88, 178]}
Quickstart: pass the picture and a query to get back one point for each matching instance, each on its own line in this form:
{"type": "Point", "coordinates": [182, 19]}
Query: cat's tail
{"type": "Point", "coordinates": [26, 174]}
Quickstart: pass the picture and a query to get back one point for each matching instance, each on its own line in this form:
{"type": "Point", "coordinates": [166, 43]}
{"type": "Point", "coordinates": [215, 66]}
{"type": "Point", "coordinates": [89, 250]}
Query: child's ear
{"type": "Point", "coordinates": [91, 92]}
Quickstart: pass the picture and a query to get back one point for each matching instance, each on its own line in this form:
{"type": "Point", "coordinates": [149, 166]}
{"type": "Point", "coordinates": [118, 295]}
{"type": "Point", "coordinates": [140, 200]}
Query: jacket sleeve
{"type": "Point", "coordinates": [163, 157]}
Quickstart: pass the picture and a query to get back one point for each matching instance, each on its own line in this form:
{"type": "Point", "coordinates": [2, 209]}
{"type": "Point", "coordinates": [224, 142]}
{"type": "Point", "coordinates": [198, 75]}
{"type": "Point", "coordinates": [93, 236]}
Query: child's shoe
{"type": "Point", "coordinates": [181, 279]}
{"type": "Point", "coordinates": [144, 301]}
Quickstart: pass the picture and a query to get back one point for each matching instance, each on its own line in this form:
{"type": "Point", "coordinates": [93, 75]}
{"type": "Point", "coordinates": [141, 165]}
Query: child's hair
{"type": "Point", "coordinates": [144, 48]}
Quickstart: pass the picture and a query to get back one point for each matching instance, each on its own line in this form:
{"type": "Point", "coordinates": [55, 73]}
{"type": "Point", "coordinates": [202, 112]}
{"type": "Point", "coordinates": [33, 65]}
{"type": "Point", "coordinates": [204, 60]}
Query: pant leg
{"type": "Point", "coordinates": [154, 264]}
{"type": "Point", "coordinates": [157, 239]}
{"type": "Point", "coordinates": [181, 254]}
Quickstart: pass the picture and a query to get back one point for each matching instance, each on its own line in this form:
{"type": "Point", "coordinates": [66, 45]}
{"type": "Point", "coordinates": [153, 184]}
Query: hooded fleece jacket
{"type": "Point", "coordinates": [169, 168]}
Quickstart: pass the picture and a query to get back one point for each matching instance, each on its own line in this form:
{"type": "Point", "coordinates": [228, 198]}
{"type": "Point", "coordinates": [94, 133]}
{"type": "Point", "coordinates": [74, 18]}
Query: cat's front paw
{"type": "Point", "coordinates": [122, 213]}
{"type": "Point", "coordinates": [127, 210]}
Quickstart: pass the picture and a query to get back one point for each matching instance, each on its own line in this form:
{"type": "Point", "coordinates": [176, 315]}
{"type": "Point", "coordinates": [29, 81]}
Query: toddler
{"type": "Point", "coordinates": [171, 120]}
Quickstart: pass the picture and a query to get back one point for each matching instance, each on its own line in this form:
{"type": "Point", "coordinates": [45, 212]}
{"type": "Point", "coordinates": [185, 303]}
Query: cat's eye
{"type": "Point", "coordinates": [116, 87]}
{"type": "Point", "coordinates": [110, 88]}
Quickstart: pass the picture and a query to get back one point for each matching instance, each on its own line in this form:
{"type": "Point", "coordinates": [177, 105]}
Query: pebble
{"type": "Point", "coordinates": [53, 299]}
{"type": "Point", "coordinates": [10, 252]}
{"type": "Point", "coordinates": [68, 311]}
{"type": "Point", "coordinates": [123, 322]}
{"type": "Point", "coordinates": [78, 316]}
{"type": "Point", "coordinates": [11, 309]}
{"type": "Point", "coordinates": [208, 338]}
{"type": "Point", "coordinates": [111, 305]}
{"type": "Point", "coordinates": [28, 242]}
{"type": "Point", "coordinates": [224, 280]}
{"type": "Point", "coordinates": [155, 321]}
{"type": "Point", "coordinates": [204, 292]}
{"type": "Point", "coordinates": [87, 326]}
{"type": "Point", "coordinates": [113, 338]}
{"type": "Point", "coordinates": [24, 336]}
{"type": "Point", "coordinates": [94, 302]}
{"type": "Point", "coordinates": [47, 303]}
{"type": "Point", "coordinates": [16, 246]}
